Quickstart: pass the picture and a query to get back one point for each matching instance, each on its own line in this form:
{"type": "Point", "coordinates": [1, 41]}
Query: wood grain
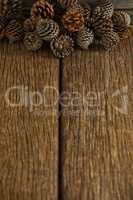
{"type": "Point", "coordinates": [123, 4]}
{"type": "Point", "coordinates": [97, 125]}
{"type": "Point", "coordinates": [28, 133]}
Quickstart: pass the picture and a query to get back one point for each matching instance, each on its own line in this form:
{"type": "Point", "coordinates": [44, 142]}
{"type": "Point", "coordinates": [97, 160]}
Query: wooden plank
{"type": "Point", "coordinates": [97, 125]}
{"type": "Point", "coordinates": [126, 4]}
{"type": "Point", "coordinates": [28, 132]}
{"type": "Point", "coordinates": [28, 3]}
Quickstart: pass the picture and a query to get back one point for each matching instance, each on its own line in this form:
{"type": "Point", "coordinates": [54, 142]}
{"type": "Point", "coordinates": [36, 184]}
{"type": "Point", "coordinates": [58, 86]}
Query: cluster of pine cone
{"type": "Point", "coordinates": [11, 20]}
{"type": "Point", "coordinates": [64, 24]}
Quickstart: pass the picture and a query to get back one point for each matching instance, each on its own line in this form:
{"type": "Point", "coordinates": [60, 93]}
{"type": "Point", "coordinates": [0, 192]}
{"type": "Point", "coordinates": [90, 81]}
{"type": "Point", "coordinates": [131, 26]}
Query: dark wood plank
{"type": "Point", "coordinates": [97, 127]}
{"type": "Point", "coordinates": [28, 3]}
{"type": "Point", "coordinates": [28, 133]}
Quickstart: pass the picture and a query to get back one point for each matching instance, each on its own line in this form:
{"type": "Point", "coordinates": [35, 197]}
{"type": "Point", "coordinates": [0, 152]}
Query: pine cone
{"type": "Point", "coordinates": [84, 9]}
{"type": "Point", "coordinates": [107, 8]}
{"type": "Point", "coordinates": [3, 22]}
{"type": "Point", "coordinates": [86, 13]}
{"type": "Point", "coordinates": [14, 31]}
{"type": "Point", "coordinates": [121, 21]}
{"type": "Point", "coordinates": [73, 21]}
{"type": "Point", "coordinates": [109, 40]}
{"type": "Point", "coordinates": [4, 6]}
{"type": "Point", "coordinates": [99, 24]}
{"type": "Point", "coordinates": [66, 3]}
{"type": "Point", "coordinates": [32, 41]}
{"type": "Point", "coordinates": [96, 14]}
{"type": "Point", "coordinates": [1, 7]}
{"type": "Point", "coordinates": [85, 38]}
{"type": "Point", "coordinates": [47, 29]}
{"type": "Point", "coordinates": [29, 25]}
{"type": "Point", "coordinates": [62, 46]}
{"type": "Point", "coordinates": [124, 34]}
{"type": "Point", "coordinates": [16, 7]}
{"type": "Point", "coordinates": [43, 9]}
{"type": "Point", "coordinates": [12, 8]}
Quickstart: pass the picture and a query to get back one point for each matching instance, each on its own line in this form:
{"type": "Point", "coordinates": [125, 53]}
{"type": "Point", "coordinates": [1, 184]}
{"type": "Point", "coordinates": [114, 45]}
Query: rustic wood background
{"type": "Point", "coordinates": [28, 140]}
{"type": "Point", "coordinates": [128, 4]}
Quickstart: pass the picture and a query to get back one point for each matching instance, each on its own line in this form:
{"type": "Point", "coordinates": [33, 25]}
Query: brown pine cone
{"type": "Point", "coordinates": [86, 13]}
{"type": "Point", "coordinates": [84, 38]}
{"type": "Point", "coordinates": [1, 7]}
{"type": "Point", "coordinates": [102, 26]}
{"type": "Point", "coordinates": [3, 22]}
{"type": "Point", "coordinates": [4, 6]}
{"type": "Point", "coordinates": [2, 34]}
{"type": "Point", "coordinates": [12, 8]}
{"type": "Point", "coordinates": [84, 9]}
{"type": "Point", "coordinates": [32, 41]}
{"type": "Point", "coordinates": [110, 40]}
{"type": "Point", "coordinates": [99, 12]}
{"type": "Point", "coordinates": [29, 25]}
{"type": "Point", "coordinates": [14, 31]}
{"type": "Point", "coordinates": [124, 34]}
{"type": "Point", "coordinates": [99, 24]}
{"type": "Point", "coordinates": [96, 14]}
{"type": "Point", "coordinates": [62, 46]}
{"type": "Point", "coordinates": [15, 8]}
{"type": "Point", "coordinates": [107, 8]}
{"type": "Point", "coordinates": [73, 20]}
{"type": "Point", "coordinates": [42, 9]}
{"type": "Point", "coordinates": [121, 21]}
{"type": "Point", "coordinates": [47, 29]}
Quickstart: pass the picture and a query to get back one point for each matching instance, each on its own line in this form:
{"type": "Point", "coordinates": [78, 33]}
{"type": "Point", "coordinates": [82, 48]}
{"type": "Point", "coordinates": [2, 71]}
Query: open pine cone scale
{"type": "Point", "coordinates": [42, 8]}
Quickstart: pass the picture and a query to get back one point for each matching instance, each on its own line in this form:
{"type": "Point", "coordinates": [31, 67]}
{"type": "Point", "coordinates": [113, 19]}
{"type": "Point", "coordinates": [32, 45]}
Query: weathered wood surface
{"type": "Point", "coordinates": [28, 137]}
{"type": "Point", "coordinates": [97, 125]}
{"type": "Point", "coordinates": [123, 4]}
{"type": "Point", "coordinates": [90, 148]}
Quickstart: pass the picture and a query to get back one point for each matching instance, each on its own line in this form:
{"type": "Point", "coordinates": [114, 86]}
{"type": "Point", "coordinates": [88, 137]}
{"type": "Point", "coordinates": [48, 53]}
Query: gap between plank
{"type": "Point", "coordinates": [60, 139]}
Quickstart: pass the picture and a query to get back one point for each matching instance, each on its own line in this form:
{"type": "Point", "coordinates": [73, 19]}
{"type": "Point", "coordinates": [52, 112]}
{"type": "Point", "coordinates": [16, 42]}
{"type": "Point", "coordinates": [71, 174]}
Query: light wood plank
{"type": "Point", "coordinates": [28, 134]}
{"type": "Point", "coordinates": [123, 4]}
{"type": "Point", "coordinates": [97, 145]}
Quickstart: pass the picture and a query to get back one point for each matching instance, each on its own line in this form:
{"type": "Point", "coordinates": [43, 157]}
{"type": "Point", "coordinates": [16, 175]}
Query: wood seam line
{"type": "Point", "coordinates": [60, 136]}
